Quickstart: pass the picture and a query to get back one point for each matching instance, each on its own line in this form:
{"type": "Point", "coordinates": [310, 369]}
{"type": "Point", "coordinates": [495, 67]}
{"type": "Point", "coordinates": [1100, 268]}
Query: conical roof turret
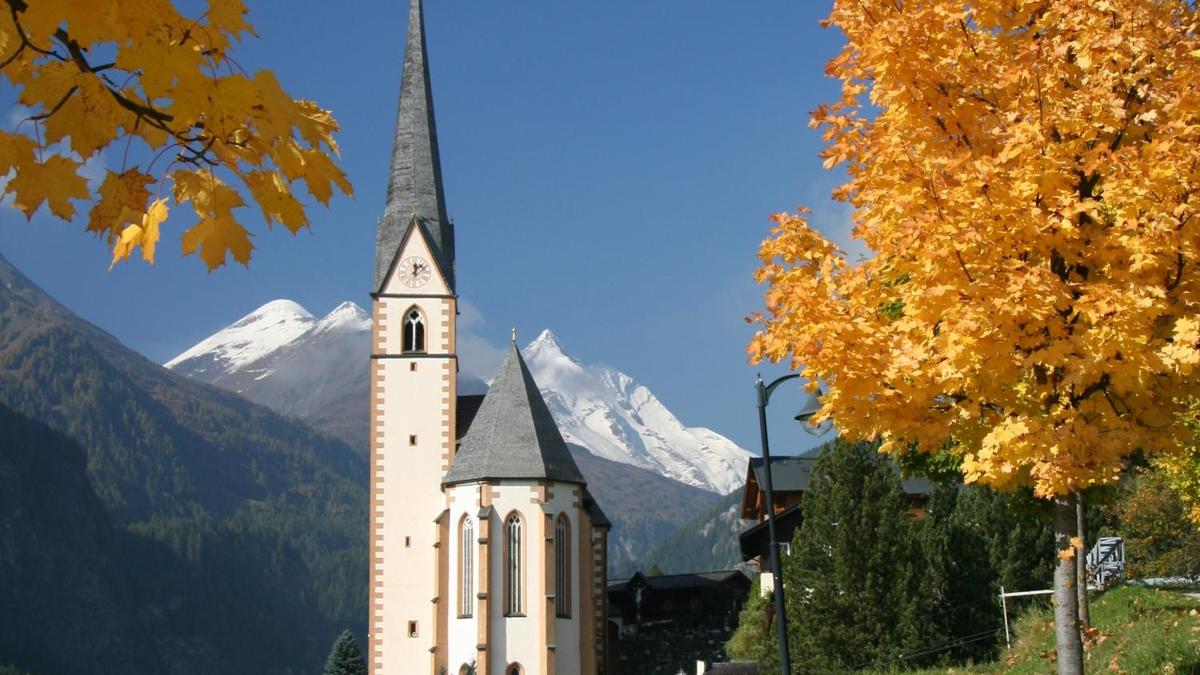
{"type": "Point", "coordinates": [513, 436]}
{"type": "Point", "coordinates": [415, 178]}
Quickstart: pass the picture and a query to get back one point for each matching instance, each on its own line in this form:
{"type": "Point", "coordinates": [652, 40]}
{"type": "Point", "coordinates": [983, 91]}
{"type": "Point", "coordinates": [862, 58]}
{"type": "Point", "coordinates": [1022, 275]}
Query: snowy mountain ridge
{"type": "Point", "coordinates": [610, 414]}
{"type": "Point", "coordinates": [280, 355]}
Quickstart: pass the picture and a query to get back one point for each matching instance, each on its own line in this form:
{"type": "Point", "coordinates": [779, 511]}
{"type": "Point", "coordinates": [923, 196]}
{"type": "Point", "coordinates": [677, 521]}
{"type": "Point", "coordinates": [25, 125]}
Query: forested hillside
{"type": "Point", "coordinates": [249, 528]}
{"type": "Point", "coordinates": [708, 541]}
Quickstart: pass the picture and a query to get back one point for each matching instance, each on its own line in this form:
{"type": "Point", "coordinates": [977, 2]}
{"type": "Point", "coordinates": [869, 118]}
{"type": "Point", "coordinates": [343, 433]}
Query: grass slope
{"type": "Point", "coordinates": [1137, 630]}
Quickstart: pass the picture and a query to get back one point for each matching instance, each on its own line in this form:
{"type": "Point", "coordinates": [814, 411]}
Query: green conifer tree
{"type": "Point", "coordinates": [345, 657]}
{"type": "Point", "coordinates": [852, 578]}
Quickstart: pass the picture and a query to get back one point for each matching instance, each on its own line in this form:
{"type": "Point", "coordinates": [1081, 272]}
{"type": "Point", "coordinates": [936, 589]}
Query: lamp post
{"type": "Point", "coordinates": [764, 397]}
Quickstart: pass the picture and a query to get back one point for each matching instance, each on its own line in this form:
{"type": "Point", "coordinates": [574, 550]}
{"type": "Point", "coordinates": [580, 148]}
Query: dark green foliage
{"type": "Point", "coordinates": [1014, 529]}
{"type": "Point", "coordinates": [64, 604]}
{"type": "Point", "coordinates": [754, 639]}
{"type": "Point", "coordinates": [852, 574]}
{"type": "Point", "coordinates": [242, 535]}
{"type": "Point", "coordinates": [869, 585]}
{"type": "Point", "coordinates": [958, 604]}
{"type": "Point", "coordinates": [345, 657]}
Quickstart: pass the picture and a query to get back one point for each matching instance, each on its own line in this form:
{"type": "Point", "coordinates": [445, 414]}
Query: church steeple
{"type": "Point", "coordinates": [415, 179]}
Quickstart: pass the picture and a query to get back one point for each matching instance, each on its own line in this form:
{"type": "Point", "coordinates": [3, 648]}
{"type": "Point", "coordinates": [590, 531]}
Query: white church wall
{"type": "Point", "coordinates": [463, 632]}
{"type": "Point", "coordinates": [566, 630]}
{"type": "Point", "coordinates": [519, 639]}
{"type": "Point", "coordinates": [405, 506]}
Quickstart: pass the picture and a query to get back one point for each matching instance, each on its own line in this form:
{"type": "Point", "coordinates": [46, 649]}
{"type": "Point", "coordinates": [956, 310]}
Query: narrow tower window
{"type": "Point", "coordinates": [467, 582]}
{"type": "Point", "coordinates": [562, 567]}
{"type": "Point", "coordinates": [513, 577]}
{"type": "Point", "coordinates": [414, 332]}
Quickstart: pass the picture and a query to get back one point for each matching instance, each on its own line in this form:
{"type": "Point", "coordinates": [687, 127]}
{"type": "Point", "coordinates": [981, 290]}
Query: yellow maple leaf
{"type": "Point", "coordinates": [129, 238]}
{"type": "Point", "coordinates": [150, 228]}
{"type": "Point", "coordinates": [15, 150]}
{"type": "Point", "coordinates": [215, 238]}
{"type": "Point", "coordinates": [55, 181]}
{"type": "Point", "coordinates": [171, 84]}
{"type": "Point", "coordinates": [275, 198]}
{"type": "Point", "coordinates": [121, 194]}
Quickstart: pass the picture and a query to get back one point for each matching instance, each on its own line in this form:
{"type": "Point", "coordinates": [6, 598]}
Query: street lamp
{"type": "Point", "coordinates": [812, 405]}
{"type": "Point", "coordinates": [764, 397]}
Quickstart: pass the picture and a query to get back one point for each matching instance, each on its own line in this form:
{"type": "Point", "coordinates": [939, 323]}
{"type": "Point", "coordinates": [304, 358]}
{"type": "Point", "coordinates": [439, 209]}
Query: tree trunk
{"type": "Point", "coordinates": [1085, 615]}
{"type": "Point", "coordinates": [1068, 644]}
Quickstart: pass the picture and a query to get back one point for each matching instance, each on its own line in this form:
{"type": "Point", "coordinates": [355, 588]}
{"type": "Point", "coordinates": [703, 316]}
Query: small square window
{"type": "Point", "coordinates": [412, 629]}
{"type": "Point", "coordinates": [412, 367]}
{"type": "Point", "coordinates": [412, 439]}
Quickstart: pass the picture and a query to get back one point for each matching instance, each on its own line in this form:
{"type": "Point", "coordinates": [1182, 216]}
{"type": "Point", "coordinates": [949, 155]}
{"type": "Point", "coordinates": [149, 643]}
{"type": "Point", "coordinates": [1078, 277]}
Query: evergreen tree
{"type": "Point", "coordinates": [958, 598]}
{"type": "Point", "coordinates": [853, 577]}
{"type": "Point", "coordinates": [345, 657]}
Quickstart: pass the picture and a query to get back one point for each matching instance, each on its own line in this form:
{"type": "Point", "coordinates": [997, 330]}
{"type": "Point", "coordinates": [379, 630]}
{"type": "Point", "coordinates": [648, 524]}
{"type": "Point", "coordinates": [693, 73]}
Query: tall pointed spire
{"type": "Point", "coordinates": [415, 178]}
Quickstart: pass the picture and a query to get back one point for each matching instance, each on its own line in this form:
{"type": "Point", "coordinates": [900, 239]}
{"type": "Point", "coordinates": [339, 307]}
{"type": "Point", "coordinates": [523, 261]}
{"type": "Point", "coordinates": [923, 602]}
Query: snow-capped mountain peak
{"type": "Point", "coordinates": [318, 369]}
{"type": "Point", "coordinates": [347, 317]}
{"type": "Point", "coordinates": [610, 414]}
{"type": "Point", "coordinates": [249, 338]}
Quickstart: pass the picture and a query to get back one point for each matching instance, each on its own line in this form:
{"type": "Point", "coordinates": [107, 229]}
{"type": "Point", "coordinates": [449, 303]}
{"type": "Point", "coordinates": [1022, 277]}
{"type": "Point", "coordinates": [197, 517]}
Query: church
{"type": "Point", "coordinates": [487, 552]}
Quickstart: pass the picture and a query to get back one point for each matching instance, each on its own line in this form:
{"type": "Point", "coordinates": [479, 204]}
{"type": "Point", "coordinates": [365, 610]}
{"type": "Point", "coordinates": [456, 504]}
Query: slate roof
{"type": "Point", "coordinates": [415, 179]}
{"type": "Point", "coordinates": [792, 474]}
{"type": "Point", "coordinates": [678, 581]}
{"type": "Point", "coordinates": [513, 436]}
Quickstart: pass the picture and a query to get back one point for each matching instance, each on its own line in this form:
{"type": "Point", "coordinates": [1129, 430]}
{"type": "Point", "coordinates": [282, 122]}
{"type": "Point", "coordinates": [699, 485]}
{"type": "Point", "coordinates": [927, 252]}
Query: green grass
{"type": "Point", "coordinates": [1137, 630]}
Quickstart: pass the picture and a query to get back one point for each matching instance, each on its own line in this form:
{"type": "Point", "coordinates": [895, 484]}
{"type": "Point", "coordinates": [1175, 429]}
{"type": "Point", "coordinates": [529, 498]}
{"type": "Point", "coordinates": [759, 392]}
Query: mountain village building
{"type": "Point", "coordinates": [488, 554]}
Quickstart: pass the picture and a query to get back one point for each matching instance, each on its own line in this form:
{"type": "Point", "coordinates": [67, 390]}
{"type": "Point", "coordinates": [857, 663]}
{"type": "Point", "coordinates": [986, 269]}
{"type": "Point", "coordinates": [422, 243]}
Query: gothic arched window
{"type": "Point", "coordinates": [513, 573]}
{"type": "Point", "coordinates": [562, 567]}
{"type": "Point", "coordinates": [414, 331]}
{"type": "Point", "coordinates": [466, 552]}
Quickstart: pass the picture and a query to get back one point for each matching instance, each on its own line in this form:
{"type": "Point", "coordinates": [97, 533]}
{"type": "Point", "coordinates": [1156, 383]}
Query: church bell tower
{"type": "Point", "coordinates": [413, 373]}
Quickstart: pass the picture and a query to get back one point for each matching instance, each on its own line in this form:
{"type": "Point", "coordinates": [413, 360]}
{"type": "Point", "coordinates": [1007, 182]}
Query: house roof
{"type": "Point", "coordinates": [792, 474]}
{"type": "Point", "coordinates": [513, 435]}
{"type": "Point", "coordinates": [678, 581]}
{"type": "Point", "coordinates": [415, 179]}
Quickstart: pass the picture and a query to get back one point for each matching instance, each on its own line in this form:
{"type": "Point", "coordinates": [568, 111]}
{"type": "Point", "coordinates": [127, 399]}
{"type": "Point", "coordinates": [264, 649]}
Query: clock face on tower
{"type": "Point", "coordinates": [414, 271]}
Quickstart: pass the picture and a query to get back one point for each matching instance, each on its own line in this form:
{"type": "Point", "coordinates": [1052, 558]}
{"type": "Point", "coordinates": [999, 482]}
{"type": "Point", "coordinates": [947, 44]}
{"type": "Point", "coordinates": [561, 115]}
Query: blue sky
{"type": "Point", "coordinates": [610, 168]}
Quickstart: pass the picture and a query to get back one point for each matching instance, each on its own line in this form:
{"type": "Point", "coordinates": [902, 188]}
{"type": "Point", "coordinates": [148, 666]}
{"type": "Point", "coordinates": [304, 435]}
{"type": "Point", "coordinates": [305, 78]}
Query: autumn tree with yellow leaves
{"type": "Point", "coordinates": [164, 95]}
{"type": "Point", "coordinates": [1025, 173]}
